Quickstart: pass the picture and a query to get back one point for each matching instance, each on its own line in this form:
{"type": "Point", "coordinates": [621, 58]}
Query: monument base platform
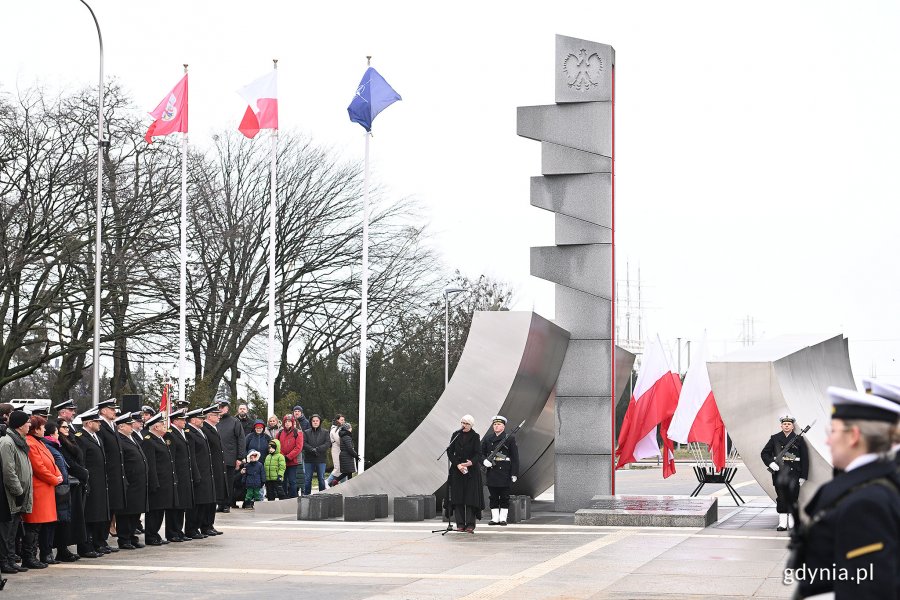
{"type": "Point", "coordinates": [649, 511]}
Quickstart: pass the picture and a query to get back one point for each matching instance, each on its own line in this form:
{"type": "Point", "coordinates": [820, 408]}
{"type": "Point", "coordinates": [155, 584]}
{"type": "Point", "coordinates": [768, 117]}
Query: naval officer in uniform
{"type": "Point", "coordinates": [794, 462]}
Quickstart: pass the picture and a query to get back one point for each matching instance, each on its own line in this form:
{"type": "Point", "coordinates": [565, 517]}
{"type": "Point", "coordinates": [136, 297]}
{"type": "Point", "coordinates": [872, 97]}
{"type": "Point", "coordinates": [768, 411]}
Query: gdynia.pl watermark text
{"type": "Point", "coordinates": [833, 573]}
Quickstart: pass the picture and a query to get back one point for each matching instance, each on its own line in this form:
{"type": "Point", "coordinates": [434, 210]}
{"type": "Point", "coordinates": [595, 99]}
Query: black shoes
{"type": "Point", "coordinates": [8, 568]}
{"type": "Point", "coordinates": [90, 554]}
{"type": "Point", "coordinates": [30, 563]}
{"type": "Point", "coordinates": [176, 539]}
{"type": "Point", "coordinates": [67, 557]}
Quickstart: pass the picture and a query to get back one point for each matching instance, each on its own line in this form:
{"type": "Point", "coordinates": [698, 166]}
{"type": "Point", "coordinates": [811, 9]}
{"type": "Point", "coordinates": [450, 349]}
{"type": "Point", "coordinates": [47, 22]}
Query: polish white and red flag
{"type": "Point", "coordinates": [650, 411]}
{"type": "Point", "coordinates": [697, 417]}
{"type": "Point", "coordinates": [262, 105]}
{"type": "Point", "coordinates": [171, 115]}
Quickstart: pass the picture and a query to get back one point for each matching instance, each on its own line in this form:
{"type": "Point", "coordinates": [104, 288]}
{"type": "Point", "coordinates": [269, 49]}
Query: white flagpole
{"type": "Point", "coordinates": [365, 314]}
{"type": "Point", "coordinates": [272, 240]}
{"type": "Point", "coordinates": [182, 279]}
{"type": "Point", "coordinates": [365, 307]}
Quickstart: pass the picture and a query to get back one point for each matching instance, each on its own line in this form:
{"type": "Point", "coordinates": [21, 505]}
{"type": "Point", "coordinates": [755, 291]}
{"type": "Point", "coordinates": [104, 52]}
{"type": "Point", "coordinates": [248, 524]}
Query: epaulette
{"type": "Point", "coordinates": [169, 430]}
{"type": "Point", "coordinates": [78, 434]}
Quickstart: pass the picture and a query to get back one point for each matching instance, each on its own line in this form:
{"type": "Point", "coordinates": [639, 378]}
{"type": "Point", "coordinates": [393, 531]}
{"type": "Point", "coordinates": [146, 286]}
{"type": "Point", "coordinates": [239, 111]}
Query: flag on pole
{"type": "Point", "coordinates": [164, 402]}
{"type": "Point", "coordinates": [262, 105]}
{"type": "Point", "coordinates": [373, 95]}
{"type": "Point", "coordinates": [172, 113]}
{"type": "Point", "coordinates": [697, 417]}
{"type": "Point", "coordinates": [651, 407]}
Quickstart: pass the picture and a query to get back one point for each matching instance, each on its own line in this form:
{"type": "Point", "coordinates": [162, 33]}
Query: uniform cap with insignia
{"type": "Point", "coordinates": [855, 405]}
{"type": "Point", "coordinates": [157, 418]}
{"type": "Point", "coordinates": [498, 419]}
{"type": "Point", "coordinates": [223, 402]}
{"type": "Point", "coordinates": [196, 413]}
{"type": "Point", "coordinates": [178, 414]}
{"type": "Point", "coordinates": [126, 418]}
{"type": "Point", "coordinates": [788, 419]}
{"type": "Point", "coordinates": [92, 414]}
{"type": "Point", "coordinates": [214, 410]}
{"type": "Point", "coordinates": [147, 409]}
{"type": "Point", "coordinates": [40, 412]}
{"type": "Point", "coordinates": [108, 403]}
{"type": "Point", "coordinates": [64, 405]}
{"type": "Point", "coordinates": [886, 389]}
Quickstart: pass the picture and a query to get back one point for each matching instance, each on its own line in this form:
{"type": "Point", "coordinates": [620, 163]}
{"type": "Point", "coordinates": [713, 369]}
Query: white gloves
{"type": "Point", "coordinates": [774, 466]}
{"type": "Point", "coordinates": [514, 478]}
{"type": "Point", "coordinates": [802, 481]}
{"type": "Point", "coordinates": [487, 463]}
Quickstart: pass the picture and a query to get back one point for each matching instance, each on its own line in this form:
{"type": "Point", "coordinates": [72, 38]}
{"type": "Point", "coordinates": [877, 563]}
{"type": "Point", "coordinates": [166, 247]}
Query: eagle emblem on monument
{"type": "Point", "coordinates": [583, 71]}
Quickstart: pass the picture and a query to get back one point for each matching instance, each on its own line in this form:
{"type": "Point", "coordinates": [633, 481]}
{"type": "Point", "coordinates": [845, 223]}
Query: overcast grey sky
{"type": "Point", "coordinates": [756, 142]}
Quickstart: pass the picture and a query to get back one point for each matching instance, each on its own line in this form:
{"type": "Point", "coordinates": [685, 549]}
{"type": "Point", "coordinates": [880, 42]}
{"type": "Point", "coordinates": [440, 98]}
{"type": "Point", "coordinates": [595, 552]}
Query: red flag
{"type": "Point", "coordinates": [709, 429]}
{"type": "Point", "coordinates": [262, 105]}
{"type": "Point", "coordinates": [652, 404]}
{"type": "Point", "coordinates": [172, 113]}
{"type": "Point", "coordinates": [164, 403]}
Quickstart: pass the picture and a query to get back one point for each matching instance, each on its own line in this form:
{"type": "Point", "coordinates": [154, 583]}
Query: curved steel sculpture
{"type": "Point", "coordinates": [509, 366]}
{"type": "Point", "coordinates": [788, 374]}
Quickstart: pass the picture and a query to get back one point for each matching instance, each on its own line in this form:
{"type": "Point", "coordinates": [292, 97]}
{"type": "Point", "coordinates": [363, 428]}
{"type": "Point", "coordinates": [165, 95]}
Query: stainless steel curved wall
{"type": "Point", "coordinates": [789, 374]}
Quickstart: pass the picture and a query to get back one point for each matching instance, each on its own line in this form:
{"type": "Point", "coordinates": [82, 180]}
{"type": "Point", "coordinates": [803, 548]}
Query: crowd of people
{"type": "Point", "coordinates": [81, 480]}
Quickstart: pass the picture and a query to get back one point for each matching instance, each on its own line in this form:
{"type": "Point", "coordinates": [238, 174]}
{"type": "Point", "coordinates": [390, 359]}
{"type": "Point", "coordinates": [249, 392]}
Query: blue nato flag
{"type": "Point", "coordinates": [373, 95]}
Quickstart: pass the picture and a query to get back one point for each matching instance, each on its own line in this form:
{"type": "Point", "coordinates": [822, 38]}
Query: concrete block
{"type": "Point", "coordinates": [312, 508]}
{"type": "Point", "coordinates": [360, 508]}
{"type": "Point", "coordinates": [583, 424]}
{"type": "Point", "coordinates": [586, 267]}
{"type": "Point", "coordinates": [586, 370]}
{"type": "Point", "coordinates": [382, 507]}
{"type": "Point", "coordinates": [409, 508]}
{"type": "Point", "coordinates": [584, 70]}
{"type": "Point", "coordinates": [335, 505]}
{"type": "Point", "coordinates": [580, 477]}
{"type": "Point", "coordinates": [583, 315]}
{"type": "Point", "coordinates": [430, 504]}
{"type": "Point", "coordinates": [585, 197]}
{"type": "Point", "coordinates": [562, 160]}
{"type": "Point", "coordinates": [649, 511]}
{"type": "Point", "coordinates": [575, 231]}
{"type": "Point", "coordinates": [583, 126]}
{"type": "Point", "coordinates": [518, 509]}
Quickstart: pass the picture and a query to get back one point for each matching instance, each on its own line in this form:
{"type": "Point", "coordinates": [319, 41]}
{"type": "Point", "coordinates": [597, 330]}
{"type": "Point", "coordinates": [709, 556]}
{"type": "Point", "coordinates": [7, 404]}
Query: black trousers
{"type": "Point", "coordinates": [499, 496]}
{"type": "Point", "coordinates": [8, 533]}
{"type": "Point", "coordinates": [465, 515]}
{"type": "Point", "coordinates": [174, 523]}
{"type": "Point", "coordinates": [229, 487]}
{"type": "Point", "coordinates": [785, 497]}
{"type": "Point", "coordinates": [96, 535]}
{"type": "Point", "coordinates": [192, 519]}
{"type": "Point", "coordinates": [206, 516]}
{"type": "Point", "coordinates": [45, 539]}
{"type": "Point", "coordinates": [152, 522]}
{"type": "Point", "coordinates": [125, 528]}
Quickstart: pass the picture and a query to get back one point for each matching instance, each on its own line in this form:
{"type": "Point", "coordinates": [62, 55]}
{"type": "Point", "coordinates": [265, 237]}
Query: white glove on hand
{"type": "Point", "coordinates": [487, 463]}
{"type": "Point", "coordinates": [802, 481]}
{"type": "Point", "coordinates": [514, 478]}
{"type": "Point", "coordinates": [774, 466]}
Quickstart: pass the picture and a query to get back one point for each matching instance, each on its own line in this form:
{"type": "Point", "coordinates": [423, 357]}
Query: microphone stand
{"type": "Point", "coordinates": [448, 505]}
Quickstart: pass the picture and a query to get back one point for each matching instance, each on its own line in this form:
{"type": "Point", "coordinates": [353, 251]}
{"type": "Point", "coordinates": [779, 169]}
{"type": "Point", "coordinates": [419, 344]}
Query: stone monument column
{"type": "Point", "coordinates": [576, 136]}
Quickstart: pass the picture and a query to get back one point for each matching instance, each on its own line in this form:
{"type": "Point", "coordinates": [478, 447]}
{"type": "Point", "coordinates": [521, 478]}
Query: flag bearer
{"type": "Point", "coordinates": [794, 461]}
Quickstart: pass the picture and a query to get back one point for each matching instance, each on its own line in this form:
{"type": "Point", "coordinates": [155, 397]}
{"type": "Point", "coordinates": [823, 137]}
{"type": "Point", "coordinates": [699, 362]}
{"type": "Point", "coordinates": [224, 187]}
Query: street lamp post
{"type": "Point", "coordinates": [447, 292]}
{"type": "Point", "coordinates": [99, 219]}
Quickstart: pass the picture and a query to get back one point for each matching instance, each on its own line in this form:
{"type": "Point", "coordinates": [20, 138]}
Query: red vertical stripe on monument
{"type": "Point", "coordinates": [612, 312]}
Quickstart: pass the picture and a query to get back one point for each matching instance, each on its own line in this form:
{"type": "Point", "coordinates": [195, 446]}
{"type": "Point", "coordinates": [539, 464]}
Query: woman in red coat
{"type": "Point", "coordinates": [46, 476]}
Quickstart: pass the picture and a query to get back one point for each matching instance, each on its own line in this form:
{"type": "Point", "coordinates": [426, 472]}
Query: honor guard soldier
{"type": "Point", "coordinates": [134, 468]}
{"type": "Point", "coordinates": [781, 452]}
{"type": "Point", "coordinates": [184, 476]}
{"type": "Point", "coordinates": [854, 524]}
{"type": "Point", "coordinates": [161, 478]}
{"type": "Point", "coordinates": [204, 487]}
{"type": "Point", "coordinates": [502, 468]}
{"type": "Point", "coordinates": [96, 503]}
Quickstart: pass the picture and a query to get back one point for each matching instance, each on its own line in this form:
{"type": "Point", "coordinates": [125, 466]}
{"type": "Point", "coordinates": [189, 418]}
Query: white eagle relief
{"type": "Point", "coordinates": [583, 72]}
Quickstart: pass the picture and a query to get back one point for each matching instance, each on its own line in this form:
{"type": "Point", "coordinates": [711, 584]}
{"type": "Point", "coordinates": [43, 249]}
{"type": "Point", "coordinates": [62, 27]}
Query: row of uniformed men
{"type": "Point", "coordinates": [172, 472]}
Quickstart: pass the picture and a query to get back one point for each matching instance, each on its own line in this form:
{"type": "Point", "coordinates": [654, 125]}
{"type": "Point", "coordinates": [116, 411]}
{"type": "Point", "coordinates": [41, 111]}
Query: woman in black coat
{"type": "Point", "coordinates": [348, 456]}
{"type": "Point", "coordinates": [73, 531]}
{"type": "Point", "coordinates": [466, 495]}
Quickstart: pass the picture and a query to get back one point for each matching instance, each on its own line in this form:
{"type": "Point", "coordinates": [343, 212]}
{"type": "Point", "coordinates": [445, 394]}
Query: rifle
{"type": "Point", "coordinates": [490, 457]}
{"type": "Point", "coordinates": [780, 458]}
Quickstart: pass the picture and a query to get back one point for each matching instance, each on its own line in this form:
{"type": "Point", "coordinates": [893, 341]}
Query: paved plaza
{"type": "Point", "coordinates": [264, 555]}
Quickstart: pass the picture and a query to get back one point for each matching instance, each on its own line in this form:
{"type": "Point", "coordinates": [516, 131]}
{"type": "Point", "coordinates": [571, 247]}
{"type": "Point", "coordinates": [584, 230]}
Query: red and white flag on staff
{"type": "Point", "coordinates": [697, 417]}
{"type": "Point", "coordinates": [164, 402]}
{"type": "Point", "coordinates": [262, 101]}
{"type": "Point", "coordinates": [172, 113]}
{"type": "Point", "coordinates": [651, 407]}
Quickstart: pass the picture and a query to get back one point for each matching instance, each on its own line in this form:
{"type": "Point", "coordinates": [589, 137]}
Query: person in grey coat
{"type": "Point", "coordinates": [17, 483]}
{"type": "Point", "coordinates": [231, 432]}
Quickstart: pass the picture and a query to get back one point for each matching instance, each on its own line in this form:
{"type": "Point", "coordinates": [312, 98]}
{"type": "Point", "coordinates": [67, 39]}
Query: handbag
{"type": "Point", "coordinates": [62, 490]}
